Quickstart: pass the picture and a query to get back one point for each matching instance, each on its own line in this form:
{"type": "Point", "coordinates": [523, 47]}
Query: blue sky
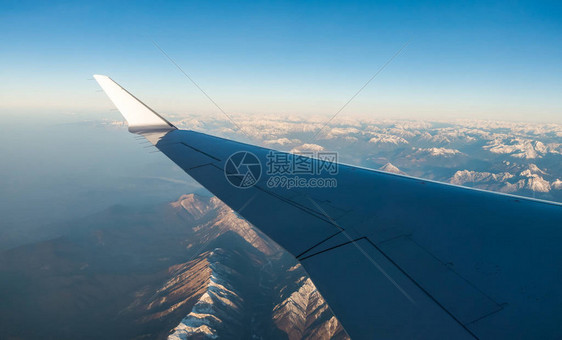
{"type": "Point", "coordinates": [498, 60]}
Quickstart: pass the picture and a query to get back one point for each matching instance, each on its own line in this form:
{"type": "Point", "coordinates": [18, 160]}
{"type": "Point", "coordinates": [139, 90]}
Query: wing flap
{"type": "Point", "coordinates": [378, 300]}
{"type": "Point", "coordinates": [458, 296]}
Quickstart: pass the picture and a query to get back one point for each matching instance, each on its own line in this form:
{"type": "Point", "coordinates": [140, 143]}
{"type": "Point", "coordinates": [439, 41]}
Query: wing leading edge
{"type": "Point", "coordinates": [394, 256]}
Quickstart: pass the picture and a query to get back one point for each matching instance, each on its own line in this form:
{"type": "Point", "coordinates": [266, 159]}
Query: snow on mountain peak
{"type": "Point", "coordinates": [389, 167]}
{"type": "Point", "coordinates": [520, 147]}
{"type": "Point", "coordinates": [307, 147]}
{"type": "Point", "coordinates": [532, 170]}
{"type": "Point", "coordinates": [538, 184]}
{"type": "Point", "coordinates": [382, 138]}
{"type": "Point", "coordinates": [444, 152]}
{"type": "Point", "coordinates": [468, 176]}
{"type": "Point", "coordinates": [218, 299]}
{"type": "Point", "coordinates": [528, 179]}
{"type": "Point", "coordinates": [282, 141]}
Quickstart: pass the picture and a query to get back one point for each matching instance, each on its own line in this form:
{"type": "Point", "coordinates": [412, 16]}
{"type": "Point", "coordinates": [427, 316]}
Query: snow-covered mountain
{"type": "Point", "coordinates": [447, 151]}
{"type": "Point", "coordinates": [383, 138]}
{"type": "Point", "coordinates": [301, 311]}
{"type": "Point", "coordinates": [190, 269]}
{"type": "Point", "coordinates": [529, 177]}
{"type": "Point", "coordinates": [224, 306]}
{"type": "Point", "coordinates": [388, 167]}
{"type": "Point", "coordinates": [220, 309]}
{"type": "Point", "coordinates": [438, 152]}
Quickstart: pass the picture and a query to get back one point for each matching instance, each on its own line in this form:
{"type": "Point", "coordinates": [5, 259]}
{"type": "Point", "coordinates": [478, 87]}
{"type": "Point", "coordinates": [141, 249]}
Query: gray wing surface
{"type": "Point", "coordinates": [394, 256]}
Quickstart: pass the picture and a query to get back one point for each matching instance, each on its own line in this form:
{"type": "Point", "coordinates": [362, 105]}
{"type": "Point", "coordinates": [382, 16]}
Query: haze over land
{"type": "Point", "coordinates": [185, 268]}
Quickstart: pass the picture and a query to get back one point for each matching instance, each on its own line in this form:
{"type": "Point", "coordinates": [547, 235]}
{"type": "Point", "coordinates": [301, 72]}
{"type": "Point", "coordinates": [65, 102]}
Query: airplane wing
{"type": "Point", "coordinates": [394, 256]}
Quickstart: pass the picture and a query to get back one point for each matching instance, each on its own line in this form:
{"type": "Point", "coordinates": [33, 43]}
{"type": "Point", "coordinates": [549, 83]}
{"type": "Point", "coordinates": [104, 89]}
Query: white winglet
{"type": "Point", "coordinates": [141, 118]}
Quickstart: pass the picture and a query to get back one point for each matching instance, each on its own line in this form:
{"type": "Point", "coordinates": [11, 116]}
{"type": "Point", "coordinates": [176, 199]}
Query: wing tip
{"type": "Point", "coordinates": [139, 116]}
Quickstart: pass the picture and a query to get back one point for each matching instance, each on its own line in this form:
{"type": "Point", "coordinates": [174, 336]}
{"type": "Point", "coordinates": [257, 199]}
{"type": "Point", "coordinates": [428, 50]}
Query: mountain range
{"type": "Point", "coordinates": [189, 269]}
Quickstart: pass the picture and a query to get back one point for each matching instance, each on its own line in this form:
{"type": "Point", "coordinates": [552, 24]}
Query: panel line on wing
{"type": "Point", "coordinates": [200, 166]}
{"type": "Point", "coordinates": [422, 288]}
{"type": "Point", "coordinates": [203, 152]}
{"type": "Point", "coordinates": [487, 315]}
{"type": "Point", "coordinates": [331, 248]}
{"type": "Point", "coordinates": [318, 244]}
{"type": "Point", "coordinates": [378, 266]}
